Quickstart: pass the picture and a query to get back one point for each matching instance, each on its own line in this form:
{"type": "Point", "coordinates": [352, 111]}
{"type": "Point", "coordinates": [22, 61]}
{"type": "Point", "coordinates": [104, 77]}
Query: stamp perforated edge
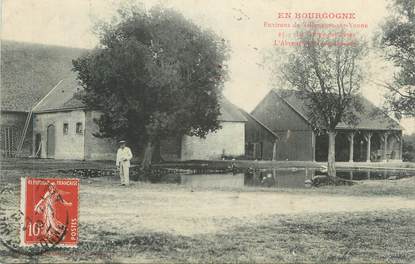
{"type": "Point", "coordinates": [22, 210]}
{"type": "Point", "coordinates": [23, 181]}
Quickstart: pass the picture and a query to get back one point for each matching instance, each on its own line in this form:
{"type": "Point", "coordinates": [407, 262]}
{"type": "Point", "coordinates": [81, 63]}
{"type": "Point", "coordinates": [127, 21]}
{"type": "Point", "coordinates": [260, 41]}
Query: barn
{"type": "Point", "coordinates": [64, 129]}
{"type": "Point", "coordinates": [37, 100]}
{"type": "Point", "coordinates": [376, 137]}
{"type": "Point", "coordinates": [260, 141]}
{"type": "Point", "coordinates": [28, 72]}
{"type": "Point", "coordinates": [228, 141]}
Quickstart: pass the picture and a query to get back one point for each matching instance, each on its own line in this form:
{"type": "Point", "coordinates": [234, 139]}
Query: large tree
{"type": "Point", "coordinates": [327, 76]}
{"type": "Point", "coordinates": [398, 41]}
{"type": "Point", "coordinates": [154, 75]}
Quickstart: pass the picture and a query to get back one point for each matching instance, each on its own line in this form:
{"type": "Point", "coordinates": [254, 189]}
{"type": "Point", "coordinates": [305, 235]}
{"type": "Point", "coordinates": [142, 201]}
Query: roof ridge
{"type": "Point", "coordinates": [44, 45]}
{"type": "Point", "coordinates": [290, 105]}
{"type": "Point", "coordinates": [259, 122]}
{"type": "Point", "coordinates": [58, 98]}
{"type": "Point", "coordinates": [367, 112]}
{"type": "Point", "coordinates": [229, 110]}
{"type": "Point", "coordinates": [378, 108]}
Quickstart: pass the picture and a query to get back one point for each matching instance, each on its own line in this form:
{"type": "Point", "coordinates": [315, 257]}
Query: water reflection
{"type": "Point", "coordinates": [213, 180]}
{"type": "Point", "coordinates": [290, 178]}
{"type": "Point", "coordinates": [274, 178]}
{"type": "Point", "coordinates": [287, 178]}
{"type": "Point", "coordinates": [378, 174]}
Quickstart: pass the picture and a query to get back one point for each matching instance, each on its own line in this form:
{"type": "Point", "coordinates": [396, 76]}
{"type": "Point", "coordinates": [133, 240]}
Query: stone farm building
{"type": "Point", "coordinates": [63, 129]}
{"type": "Point", "coordinates": [37, 100]}
{"type": "Point", "coordinates": [376, 137]}
{"type": "Point", "coordinates": [28, 73]}
{"type": "Point", "coordinates": [229, 140]}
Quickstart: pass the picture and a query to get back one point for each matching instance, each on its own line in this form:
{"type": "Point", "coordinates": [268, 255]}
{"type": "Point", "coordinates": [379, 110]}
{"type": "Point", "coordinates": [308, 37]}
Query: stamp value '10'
{"type": "Point", "coordinates": [50, 211]}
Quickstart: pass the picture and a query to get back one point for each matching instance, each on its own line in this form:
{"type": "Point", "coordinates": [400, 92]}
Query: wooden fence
{"type": "Point", "coordinates": [9, 137]}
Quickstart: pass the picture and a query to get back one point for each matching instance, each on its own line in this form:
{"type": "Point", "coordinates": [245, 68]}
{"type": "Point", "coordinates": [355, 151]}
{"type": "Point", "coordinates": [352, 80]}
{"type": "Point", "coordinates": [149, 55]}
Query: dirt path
{"type": "Point", "coordinates": [180, 211]}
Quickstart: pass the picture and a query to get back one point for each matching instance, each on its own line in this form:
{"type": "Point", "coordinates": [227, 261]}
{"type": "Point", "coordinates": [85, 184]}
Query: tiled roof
{"type": "Point", "coordinates": [61, 97]}
{"type": "Point", "coordinates": [29, 71]}
{"type": "Point", "coordinates": [230, 112]}
{"type": "Point", "coordinates": [73, 103]}
{"type": "Point", "coordinates": [41, 75]}
{"type": "Point", "coordinates": [371, 117]}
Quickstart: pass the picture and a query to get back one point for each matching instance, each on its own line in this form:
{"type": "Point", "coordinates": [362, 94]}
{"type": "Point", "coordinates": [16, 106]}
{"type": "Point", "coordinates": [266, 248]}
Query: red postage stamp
{"type": "Point", "coordinates": [50, 211]}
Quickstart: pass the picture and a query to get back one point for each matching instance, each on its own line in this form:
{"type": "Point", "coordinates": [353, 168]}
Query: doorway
{"type": "Point", "coordinates": [50, 143]}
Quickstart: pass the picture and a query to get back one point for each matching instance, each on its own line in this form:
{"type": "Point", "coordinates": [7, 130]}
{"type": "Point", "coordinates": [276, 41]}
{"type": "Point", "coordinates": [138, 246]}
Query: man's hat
{"type": "Point", "coordinates": [121, 142]}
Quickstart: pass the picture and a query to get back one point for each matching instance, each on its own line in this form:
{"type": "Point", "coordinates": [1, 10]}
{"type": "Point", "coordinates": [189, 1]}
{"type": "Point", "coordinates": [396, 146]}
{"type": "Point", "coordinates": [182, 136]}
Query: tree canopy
{"type": "Point", "coordinates": [327, 75]}
{"type": "Point", "coordinates": [397, 39]}
{"type": "Point", "coordinates": [154, 74]}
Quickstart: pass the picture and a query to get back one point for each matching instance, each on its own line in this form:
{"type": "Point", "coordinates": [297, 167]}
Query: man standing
{"type": "Point", "coordinates": [124, 156]}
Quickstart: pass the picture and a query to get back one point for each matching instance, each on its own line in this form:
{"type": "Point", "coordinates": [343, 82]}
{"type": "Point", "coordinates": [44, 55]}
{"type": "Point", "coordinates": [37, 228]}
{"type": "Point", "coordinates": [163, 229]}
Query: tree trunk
{"type": "Point", "coordinates": [151, 153]}
{"type": "Point", "coordinates": [156, 156]}
{"type": "Point", "coordinates": [274, 150]}
{"type": "Point", "coordinates": [148, 155]}
{"type": "Point", "coordinates": [331, 159]}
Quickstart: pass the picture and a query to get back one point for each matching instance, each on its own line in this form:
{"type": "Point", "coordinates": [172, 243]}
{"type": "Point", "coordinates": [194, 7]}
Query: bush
{"type": "Point", "coordinates": [408, 148]}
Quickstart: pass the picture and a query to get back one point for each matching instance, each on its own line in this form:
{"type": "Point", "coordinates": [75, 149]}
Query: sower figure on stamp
{"type": "Point", "coordinates": [53, 228]}
{"type": "Point", "coordinates": [124, 156]}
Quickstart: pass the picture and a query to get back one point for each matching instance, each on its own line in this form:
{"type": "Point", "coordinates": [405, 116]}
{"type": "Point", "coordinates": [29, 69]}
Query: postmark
{"type": "Point", "coordinates": [49, 208]}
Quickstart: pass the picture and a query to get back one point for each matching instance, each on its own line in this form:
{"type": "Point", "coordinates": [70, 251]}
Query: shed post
{"type": "Point", "coordinates": [351, 143]}
{"type": "Point", "coordinates": [313, 146]}
{"type": "Point", "coordinates": [385, 147]}
{"type": "Point", "coordinates": [368, 137]}
{"type": "Point", "coordinates": [400, 145]}
{"type": "Point", "coordinates": [274, 150]}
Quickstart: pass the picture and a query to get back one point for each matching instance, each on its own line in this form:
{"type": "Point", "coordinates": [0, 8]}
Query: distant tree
{"type": "Point", "coordinates": [408, 148]}
{"type": "Point", "coordinates": [327, 76]}
{"type": "Point", "coordinates": [397, 39]}
{"type": "Point", "coordinates": [154, 75]}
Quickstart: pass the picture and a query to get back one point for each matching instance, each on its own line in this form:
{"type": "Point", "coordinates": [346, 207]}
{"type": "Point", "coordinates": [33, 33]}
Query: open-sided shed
{"type": "Point", "coordinates": [375, 137]}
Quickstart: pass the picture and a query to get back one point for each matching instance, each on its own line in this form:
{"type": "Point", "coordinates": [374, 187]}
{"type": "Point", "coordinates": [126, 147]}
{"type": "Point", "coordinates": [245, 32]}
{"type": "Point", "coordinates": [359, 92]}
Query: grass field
{"type": "Point", "coordinates": [318, 238]}
{"type": "Point", "coordinates": [370, 222]}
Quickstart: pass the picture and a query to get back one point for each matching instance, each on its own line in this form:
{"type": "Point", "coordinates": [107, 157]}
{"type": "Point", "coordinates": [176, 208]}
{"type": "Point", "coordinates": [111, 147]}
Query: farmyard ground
{"type": "Point", "coordinates": [368, 222]}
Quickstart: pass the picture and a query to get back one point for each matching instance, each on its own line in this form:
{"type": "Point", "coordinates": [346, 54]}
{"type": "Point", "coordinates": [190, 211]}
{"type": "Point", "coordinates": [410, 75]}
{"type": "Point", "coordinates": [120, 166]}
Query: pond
{"type": "Point", "coordinates": [275, 178]}
{"type": "Point", "coordinates": [279, 178]}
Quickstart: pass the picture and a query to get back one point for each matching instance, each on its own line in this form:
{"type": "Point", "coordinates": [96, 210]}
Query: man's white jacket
{"type": "Point", "coordinates": [124, 156]}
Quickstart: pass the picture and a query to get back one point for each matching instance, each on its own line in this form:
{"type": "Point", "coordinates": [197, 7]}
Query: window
{"type": "Point", "coordinates": [65, 128]}
{"type": "Point", "coordinates": [79, 129]}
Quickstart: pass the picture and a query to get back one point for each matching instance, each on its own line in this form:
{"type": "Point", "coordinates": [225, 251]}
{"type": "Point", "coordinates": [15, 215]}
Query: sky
{"type": "Point", "coordinates": [240, 22]}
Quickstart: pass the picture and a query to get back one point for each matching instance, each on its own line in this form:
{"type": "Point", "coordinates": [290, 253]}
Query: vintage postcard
{"type": "Point", "coordinates": [193, 131]}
